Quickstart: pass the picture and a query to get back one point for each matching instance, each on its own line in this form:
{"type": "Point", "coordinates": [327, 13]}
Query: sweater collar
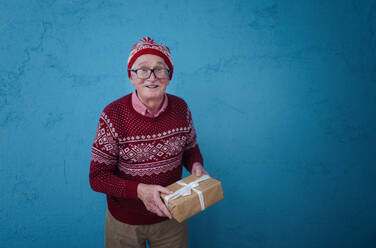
{"type": "Point", "coordinates": [142, 109]}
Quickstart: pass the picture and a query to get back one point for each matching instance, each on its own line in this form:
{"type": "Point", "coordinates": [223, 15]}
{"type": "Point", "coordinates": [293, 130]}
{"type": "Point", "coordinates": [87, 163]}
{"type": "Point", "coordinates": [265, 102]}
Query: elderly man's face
{"type": "Point", "coordinates": [152, 88]}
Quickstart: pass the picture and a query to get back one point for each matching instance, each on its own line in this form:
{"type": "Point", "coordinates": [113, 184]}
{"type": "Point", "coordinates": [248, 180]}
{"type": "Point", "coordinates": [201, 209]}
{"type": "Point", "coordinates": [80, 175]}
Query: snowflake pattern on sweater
{"type": "Point", "coordinates": [130, 148]}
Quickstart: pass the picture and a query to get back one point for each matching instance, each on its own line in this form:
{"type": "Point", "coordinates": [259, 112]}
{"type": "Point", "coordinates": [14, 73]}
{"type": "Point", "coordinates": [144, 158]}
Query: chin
{"type": "Point", "coordinates": [154, 95]}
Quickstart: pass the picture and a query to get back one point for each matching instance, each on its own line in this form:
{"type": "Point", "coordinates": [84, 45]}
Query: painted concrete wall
{"type": "Point", "coordinates": [283, 95]}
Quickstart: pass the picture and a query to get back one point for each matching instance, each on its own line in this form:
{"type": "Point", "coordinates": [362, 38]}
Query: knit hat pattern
{"type": "Point", "coordinates": [149, 46]}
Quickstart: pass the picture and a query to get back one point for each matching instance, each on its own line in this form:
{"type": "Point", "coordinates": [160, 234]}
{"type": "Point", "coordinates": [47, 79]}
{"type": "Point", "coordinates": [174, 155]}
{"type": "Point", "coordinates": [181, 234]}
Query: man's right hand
{"type": "Point", "coordinates": [150, 196]}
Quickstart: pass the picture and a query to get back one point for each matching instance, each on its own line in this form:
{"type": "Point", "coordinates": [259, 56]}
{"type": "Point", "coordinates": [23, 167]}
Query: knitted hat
{"type": "Point", "coordinates": [148, 46]}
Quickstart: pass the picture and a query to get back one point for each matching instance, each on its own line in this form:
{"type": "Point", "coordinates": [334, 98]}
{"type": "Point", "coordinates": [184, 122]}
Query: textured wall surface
{"type": "Point", "coordinates": [283, 95]}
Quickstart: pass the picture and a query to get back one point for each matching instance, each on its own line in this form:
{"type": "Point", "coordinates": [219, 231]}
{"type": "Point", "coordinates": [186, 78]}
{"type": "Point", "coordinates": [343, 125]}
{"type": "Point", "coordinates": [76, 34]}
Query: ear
{"type": "Point", "coordinates": [133, 81]}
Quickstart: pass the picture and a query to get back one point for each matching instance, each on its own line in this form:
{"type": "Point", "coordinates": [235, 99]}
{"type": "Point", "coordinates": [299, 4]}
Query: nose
{"type": "Point", "coordinates": [152, 77]}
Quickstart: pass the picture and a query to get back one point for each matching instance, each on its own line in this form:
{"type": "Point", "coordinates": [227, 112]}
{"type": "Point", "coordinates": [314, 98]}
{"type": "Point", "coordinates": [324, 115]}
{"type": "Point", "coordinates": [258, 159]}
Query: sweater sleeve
{"type": "Point", "coordinates": [103, 164]}
{"type": "Point", "coordinates": [192, 152]}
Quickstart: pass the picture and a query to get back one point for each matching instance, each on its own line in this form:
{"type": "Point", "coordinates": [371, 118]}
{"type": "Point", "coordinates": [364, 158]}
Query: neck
{"type": "Point", "coordinates": [153, 105]}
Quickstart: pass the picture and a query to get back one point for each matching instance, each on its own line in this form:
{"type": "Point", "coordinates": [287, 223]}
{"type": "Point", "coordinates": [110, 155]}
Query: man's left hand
{"type": "Point", "coordinates": [198, 170]}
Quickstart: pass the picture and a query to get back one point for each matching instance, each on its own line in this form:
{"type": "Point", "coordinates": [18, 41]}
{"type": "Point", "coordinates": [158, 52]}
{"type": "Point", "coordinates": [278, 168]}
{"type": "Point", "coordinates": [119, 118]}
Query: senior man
{"type": "Point", "coordinates": [141, 143]}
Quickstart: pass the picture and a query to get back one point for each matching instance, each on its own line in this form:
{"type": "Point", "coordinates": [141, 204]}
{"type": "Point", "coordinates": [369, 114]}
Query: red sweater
{"type": "Point", "coordinates": [130, 148]}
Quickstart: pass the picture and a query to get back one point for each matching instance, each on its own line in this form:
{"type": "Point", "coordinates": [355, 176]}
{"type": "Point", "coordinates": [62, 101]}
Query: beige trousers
{"type": "Point", "coordinates": [169, 233]}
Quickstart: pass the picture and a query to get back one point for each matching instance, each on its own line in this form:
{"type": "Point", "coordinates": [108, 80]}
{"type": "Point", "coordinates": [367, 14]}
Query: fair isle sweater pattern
{"type": "Point", "coordinates": [145, 154]}
{"type": "Point", "coordinates": [130, 148]}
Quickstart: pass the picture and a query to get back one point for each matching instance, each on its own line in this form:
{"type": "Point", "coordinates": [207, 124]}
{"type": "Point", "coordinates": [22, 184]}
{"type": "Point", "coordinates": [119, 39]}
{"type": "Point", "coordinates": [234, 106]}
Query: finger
{"type": "Point", "coordinates": [197, 171]}
{"type": "Point", "coordinates": [164, 190]}
{"type": "Point", "coordinates": [164, 209]}
{"type": "Point", "coordinates": [158, 212]}
{"type": "Point", "coordinates": [154, 209]}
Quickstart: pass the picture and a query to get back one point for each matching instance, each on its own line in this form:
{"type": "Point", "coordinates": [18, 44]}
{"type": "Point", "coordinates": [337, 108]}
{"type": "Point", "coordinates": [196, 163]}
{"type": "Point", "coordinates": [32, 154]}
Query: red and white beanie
{"type": "Point", "coordinates": [148, 46]}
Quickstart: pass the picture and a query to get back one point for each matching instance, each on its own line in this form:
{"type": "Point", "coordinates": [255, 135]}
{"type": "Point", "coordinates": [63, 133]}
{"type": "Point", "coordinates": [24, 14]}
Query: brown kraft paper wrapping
{"type": "Point", "coordinates": [185, 207]}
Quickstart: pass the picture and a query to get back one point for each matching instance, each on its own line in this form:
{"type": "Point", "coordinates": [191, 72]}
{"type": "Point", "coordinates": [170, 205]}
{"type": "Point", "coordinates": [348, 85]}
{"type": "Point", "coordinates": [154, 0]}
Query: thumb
{"type": "Point", "coordinates": [197, 171]}
{"type": "Point", "coordinates": [164, 190]}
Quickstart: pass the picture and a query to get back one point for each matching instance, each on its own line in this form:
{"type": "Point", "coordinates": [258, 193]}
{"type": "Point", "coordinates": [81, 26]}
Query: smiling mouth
{"type": "Point", "coordinates": [152, 86]}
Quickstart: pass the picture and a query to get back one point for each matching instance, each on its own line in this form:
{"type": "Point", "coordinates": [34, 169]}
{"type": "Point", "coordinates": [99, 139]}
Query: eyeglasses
{"type": "Point", "coordinates": [145, 73]}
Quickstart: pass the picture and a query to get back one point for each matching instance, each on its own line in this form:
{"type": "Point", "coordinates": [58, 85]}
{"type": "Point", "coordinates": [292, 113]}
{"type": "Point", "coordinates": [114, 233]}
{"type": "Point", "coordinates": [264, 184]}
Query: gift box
{"type": "Point", "coordinates": [192, 195]}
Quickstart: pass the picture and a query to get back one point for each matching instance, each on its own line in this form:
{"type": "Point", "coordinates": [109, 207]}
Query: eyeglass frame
{"type": "Point", "coordinates": [151, 71]}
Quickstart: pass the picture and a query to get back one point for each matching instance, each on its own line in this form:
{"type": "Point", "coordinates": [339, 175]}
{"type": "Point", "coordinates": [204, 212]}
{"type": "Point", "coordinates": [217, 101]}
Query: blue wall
{"type": "Point", "coordinates": [283, 95]}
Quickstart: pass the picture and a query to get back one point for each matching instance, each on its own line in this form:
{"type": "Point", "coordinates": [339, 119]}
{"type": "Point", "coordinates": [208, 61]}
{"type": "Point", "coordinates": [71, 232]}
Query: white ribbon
{"type": "Point", "coordinates": [187, 190]}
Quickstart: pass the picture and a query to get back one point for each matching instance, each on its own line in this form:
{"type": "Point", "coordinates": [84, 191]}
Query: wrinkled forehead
{"type": "Point", "coordinates": [150, 60]}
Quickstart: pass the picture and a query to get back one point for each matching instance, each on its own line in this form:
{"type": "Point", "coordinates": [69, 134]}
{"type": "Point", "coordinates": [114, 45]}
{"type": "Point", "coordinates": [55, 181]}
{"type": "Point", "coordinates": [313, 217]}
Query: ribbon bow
{"type": "Point", "coordinates": [187, 190]}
